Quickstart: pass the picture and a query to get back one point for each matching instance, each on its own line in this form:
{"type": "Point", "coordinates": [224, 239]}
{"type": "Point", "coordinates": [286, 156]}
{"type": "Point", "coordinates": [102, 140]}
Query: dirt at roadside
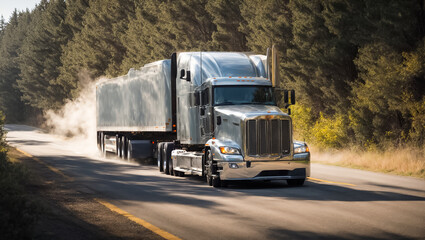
{"type": "Point", "coordinates": [68, 210]}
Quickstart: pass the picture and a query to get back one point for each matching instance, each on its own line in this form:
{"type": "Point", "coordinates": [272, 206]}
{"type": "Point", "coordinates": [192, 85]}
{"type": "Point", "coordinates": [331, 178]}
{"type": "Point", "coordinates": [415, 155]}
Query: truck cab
{"type": "Point", "coordinates": [226, 105]}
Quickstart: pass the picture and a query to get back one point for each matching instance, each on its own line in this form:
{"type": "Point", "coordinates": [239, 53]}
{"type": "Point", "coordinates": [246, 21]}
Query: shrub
{"type": "Point", "coordinates": [17, 212]}
{"type": "Point", "coordinates": [324, 132]}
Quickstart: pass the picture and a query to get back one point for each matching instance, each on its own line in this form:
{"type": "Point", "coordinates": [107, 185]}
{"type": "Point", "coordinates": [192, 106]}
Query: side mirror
{"type": "Point", "coordinates": [285, 97]}
{"type": "Point", "coordinates": [287, 94]}
{"type": "Point", "coordinates": [292, 97]}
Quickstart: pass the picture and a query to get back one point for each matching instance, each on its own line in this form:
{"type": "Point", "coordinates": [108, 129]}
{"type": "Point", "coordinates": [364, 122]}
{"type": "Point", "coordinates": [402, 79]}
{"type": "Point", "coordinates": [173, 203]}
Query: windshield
{"type": "Point", "coordinates": [237, 95]}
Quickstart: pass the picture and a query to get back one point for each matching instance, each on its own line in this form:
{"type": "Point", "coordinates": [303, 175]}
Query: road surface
{"type": "Point", "coordinates": [336, 203]}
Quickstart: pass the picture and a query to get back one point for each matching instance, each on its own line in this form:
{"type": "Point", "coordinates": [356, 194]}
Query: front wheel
{"type": "Point", "coordinates": [213, 179]}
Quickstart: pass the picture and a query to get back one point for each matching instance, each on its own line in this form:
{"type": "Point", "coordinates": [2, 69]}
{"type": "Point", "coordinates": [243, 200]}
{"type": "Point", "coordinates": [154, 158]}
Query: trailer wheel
{"type": "Point", "coordinates": [103, 151]}
{"type": "Point", "coordinates": [129, 150]}
{"type": "Point", "coordinates": [123, 147]}
{"type": "Point", "coordinates": [99, 140]}
{"type": "Point", "coordinates": [118, 145]}
{"type": "Point", "coordinates": [159, 156]}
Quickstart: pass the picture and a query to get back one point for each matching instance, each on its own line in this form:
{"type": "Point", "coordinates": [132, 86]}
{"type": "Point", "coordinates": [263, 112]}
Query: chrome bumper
{"type": "Point", "coordinates": [299, 168]}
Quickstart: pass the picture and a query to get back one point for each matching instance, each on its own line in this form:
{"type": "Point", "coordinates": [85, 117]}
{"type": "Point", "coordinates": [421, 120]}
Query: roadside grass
{"type": "Point", "coordinates": [18, 212]}
{"type": "Point", "coordinates": [404, 161]}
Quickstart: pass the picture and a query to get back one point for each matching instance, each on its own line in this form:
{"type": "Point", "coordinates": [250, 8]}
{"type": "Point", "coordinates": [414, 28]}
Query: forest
{"type": "Point", "coordinates": [357, 66]}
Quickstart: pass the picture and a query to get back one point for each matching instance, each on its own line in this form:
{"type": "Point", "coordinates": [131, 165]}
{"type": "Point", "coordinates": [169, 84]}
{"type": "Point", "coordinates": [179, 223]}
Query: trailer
{"type": "Point", "coordinates": [212, 114]}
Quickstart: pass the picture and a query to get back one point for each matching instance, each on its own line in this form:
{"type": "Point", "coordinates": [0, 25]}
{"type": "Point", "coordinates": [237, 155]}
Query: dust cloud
{"type": "Point", "coordinates": [76, 121]}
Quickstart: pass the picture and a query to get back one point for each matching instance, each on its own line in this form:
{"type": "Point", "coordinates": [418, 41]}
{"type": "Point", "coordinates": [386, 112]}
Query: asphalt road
{"type": "Point", "coordinates": [340, 203]}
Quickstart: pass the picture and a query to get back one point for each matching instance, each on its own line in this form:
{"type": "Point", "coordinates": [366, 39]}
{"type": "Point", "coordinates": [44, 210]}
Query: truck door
{"type": "Point", "coordinates": [206, 114]}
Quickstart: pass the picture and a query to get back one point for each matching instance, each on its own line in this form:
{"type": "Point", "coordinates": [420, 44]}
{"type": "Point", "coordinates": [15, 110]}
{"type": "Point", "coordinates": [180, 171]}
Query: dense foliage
{"type": "Point", "coordinates": [17, 211]}
{"type": "Point", "coordinates": [358, 66]}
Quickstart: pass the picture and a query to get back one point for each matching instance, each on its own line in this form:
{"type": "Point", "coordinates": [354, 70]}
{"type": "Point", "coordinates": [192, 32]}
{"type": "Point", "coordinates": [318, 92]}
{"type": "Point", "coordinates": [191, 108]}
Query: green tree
{"type": "Point", "coordinates": [2, 27]}
{"type": "Point", "coordinates": [75, 10]}
{"type": "Point", "coordinates": [226, 15]}
{"type": "Point", "coordinates": [39, 59]}
{"type": "Point", "coordinates": [97, 49]}
{"type": "Point", "coordinates": [266, 23]}
{"type": "Point", "coordinates": [190, 24]}
{"type": "Point", "coordinates": [319, 65]}
{"type": "Point", "coordinates": [13, 36]}
{"type": "Point", "coordinates": [148, 37]}
{"type": "Point", "coordinates": [388, 93]}
{"type": "Point", "coordinates": [160, 28]}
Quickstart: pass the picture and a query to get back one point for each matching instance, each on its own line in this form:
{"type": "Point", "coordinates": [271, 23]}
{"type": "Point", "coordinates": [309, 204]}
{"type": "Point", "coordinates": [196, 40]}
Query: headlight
{"type": "Point", "coordinates": [230, 150]}
{"type": "Point", "coordinates": [301, 149]}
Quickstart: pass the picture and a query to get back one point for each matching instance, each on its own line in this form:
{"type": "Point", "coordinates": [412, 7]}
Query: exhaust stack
{"type": "Point", "coordinates": [275, 68]}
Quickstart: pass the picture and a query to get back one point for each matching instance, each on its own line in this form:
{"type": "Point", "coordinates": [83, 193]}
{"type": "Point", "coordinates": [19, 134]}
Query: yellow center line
{"type": "Point", "coordinates": [326, 181]}
{"type": "Point", "coordinates": [110, 206]}
{"type": "Point", "coordinates": [53, 169]}
{"type": "Point", "coordinates": [139, 221]}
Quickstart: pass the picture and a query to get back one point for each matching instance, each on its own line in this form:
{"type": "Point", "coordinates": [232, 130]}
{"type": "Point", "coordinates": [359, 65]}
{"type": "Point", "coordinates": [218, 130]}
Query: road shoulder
{"type": "Point", "coordinates": [69, 210]}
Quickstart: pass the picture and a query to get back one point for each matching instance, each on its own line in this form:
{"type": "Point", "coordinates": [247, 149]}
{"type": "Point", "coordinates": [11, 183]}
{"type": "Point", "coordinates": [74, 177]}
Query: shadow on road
{"type": "Point", "coordinates": [29, 142]}
{"type": "Point", "coordinates": [280, 233]}
{"type": "Point", "coordinates": [118, 180]}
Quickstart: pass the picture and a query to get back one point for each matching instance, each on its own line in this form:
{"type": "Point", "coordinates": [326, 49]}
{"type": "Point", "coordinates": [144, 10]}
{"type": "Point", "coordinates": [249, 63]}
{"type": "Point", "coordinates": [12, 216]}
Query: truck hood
{"type": "Point", "coordinates": [242, 112]}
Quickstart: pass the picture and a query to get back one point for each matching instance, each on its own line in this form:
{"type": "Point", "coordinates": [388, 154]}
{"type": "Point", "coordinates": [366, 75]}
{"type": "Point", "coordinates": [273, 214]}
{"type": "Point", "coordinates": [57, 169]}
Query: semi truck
{"type": "Point", "coordinates": [212, 114]}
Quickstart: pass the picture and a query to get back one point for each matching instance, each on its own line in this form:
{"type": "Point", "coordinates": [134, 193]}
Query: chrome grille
{"type": "Point", "coordinates": [268, 137]}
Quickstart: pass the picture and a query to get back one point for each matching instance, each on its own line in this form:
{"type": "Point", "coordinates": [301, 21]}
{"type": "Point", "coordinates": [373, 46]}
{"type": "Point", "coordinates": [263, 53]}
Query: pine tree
{"type": "Point", "coordinates": [388, 92]}
{"type": "Point", "coordinates": [226, 15]}
{"type": "Point", "coordinates": [190, 24]}
{"type": "Point", "coordinates": [266, 23]}
{"type": "Point", "coordinates": [2, 27]}
{"type": "Point", "coordinates": [40, 56]}
{"type": "Point", "coordinates": [97, 49]}
{"type": "Point", "coordinates": [75, 10]}
{"type": "Point", "coordinates": [320, 63]}
{"type": "Point", "coordinates": [148, 37]}
{"type": "Point", "coordinates": [13, 36]}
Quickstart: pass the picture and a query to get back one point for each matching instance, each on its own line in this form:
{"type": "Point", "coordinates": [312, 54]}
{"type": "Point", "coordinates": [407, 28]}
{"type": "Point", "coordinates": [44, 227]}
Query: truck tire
{"type": "Point", "coordinates": [168, 164]}
{"type": "Point", "coordinates": [99, 140]}
{"type": "Point", "coordinates": [103, 152]}
{"type": "Point", "coordinates": [216, 182]}
{"type": "Point", "coordinates": [159, 156]}
{"type": "Point", "coordinates": [129, 150]}
{"type": "Point", "coordinates": [213, 179]}
{"type": "Point", "coordinates": [118, 145]}
{"type": "Point", "coordinates": [295, 182]}
{"type": "Point", "coordinates": [123, 147]}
